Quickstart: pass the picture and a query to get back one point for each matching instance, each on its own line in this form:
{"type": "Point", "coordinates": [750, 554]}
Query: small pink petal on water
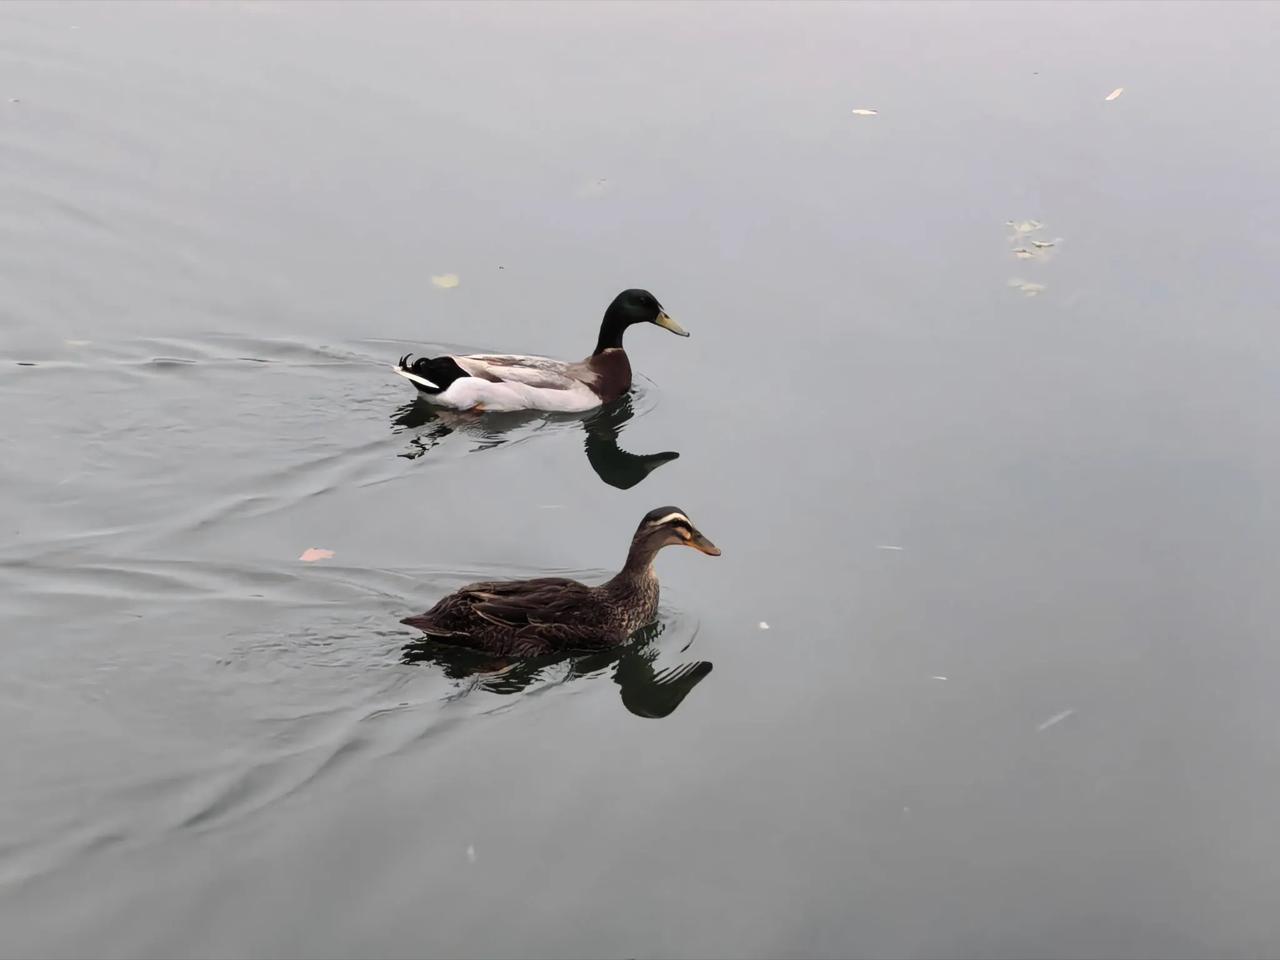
{"type": "Point", "coordinates": [311, 554]}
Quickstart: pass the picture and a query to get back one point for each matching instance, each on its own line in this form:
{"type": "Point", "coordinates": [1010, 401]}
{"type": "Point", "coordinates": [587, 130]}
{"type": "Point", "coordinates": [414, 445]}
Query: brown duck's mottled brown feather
{"type": "Point", "coordinates": [531, 617]}
{"type": "Point", "coordinates": [554, 614]}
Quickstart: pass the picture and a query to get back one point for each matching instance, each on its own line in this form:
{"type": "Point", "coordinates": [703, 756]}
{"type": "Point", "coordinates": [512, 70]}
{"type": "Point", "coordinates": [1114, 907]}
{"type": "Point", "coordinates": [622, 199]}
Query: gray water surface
{"type": "Point", "coordinates": [1011, 522]}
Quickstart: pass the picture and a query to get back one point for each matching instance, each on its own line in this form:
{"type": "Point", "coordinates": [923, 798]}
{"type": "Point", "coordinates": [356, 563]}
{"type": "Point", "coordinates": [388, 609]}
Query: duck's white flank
{"type": "Point", "coordinates": [522, 388]}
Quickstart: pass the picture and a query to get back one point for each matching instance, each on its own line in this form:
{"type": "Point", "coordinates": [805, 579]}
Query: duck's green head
{"type": "Point", "coordinates": [631, 307]}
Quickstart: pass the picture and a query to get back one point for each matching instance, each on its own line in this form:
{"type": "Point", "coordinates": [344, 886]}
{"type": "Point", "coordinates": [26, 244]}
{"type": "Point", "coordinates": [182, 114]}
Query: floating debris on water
{"type": "Point", "coordinates": [312, 554]}
{"type": "Point", "coordinates": [1026, 247]}
{"type": "Point", "coordinates": [889, 546]}
{"type": "Point", "coordinates": [77, 343]}
{"type": "Point", "coordinates": [865, 112]}
{"type": "Point", "coordinates": [594, 188]}
{"type": "Point", "coordinates": [938, 678]}
{"type": "Point", "coordinates": [1114, 94]}
{"type": "Point", "coordinates": [1027, 287]}
{"type": "Point", "coordinates": [763, 625]}
{"type": "Point", "coordinates": [1054, 720]}
{"type": "Point", "coordinates": [471, 853]}
{"type": "Point", "coordinates": [446, 281]}
{"type": "Point", "coordinates": [1023, 226]}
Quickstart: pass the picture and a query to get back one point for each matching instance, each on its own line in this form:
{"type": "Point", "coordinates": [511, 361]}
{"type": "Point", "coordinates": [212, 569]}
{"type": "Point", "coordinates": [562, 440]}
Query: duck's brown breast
{"type": "Point", "coordinates": [633, 602]}
{"type": "Point", "coordinates": [611, 372]}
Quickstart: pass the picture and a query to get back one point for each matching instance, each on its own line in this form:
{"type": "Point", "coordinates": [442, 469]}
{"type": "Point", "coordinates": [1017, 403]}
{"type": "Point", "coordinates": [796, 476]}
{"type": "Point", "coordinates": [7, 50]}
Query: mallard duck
{"type": "Point", "coordinates": [529, 618]}
{"type": "Point", "coordinates": [503, 382]}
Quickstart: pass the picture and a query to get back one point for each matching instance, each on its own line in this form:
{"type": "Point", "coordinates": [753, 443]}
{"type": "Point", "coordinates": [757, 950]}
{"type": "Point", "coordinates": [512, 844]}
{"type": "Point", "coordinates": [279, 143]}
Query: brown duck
{"type": "Point", "coordinates": [527, 618]}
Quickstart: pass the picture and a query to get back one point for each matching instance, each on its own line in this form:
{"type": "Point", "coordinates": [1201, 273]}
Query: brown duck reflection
{"type": "Point", "coordinates": [645, 691]}
{"type": "Point", "coordinates": [612, 464]}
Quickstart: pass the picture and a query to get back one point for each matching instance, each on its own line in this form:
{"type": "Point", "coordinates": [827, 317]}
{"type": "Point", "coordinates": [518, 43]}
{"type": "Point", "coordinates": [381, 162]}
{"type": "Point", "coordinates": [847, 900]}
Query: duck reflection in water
{"type": "Point", "coordinates": [645, 691]}
{"type": "Point", "coordinates": [603, 426]}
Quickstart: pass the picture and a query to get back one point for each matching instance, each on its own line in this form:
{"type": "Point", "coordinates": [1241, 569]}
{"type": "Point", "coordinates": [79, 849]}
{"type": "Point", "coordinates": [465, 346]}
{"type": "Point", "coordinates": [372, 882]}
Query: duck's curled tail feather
{"type": "Point", "coordinates": [429, 374]}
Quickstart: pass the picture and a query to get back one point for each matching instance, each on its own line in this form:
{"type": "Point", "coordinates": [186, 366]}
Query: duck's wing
{"type": "Point", "coordinates": [540, 372]}
{"type": "Point", "coordinates": [518, 603]}
{"type": "Point", "coordinates": [550, 610]}
{"type": "Point", "coordinates": [504, 602]}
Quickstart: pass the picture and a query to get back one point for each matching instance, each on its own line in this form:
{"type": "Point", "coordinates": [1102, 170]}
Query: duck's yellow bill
{"type": "Point", "coordinates": [666, 323]}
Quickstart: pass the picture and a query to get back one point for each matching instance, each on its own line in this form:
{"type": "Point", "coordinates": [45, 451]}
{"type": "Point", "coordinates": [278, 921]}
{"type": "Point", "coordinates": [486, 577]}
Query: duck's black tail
{"type": "Point", "coordinates": [429, 374]}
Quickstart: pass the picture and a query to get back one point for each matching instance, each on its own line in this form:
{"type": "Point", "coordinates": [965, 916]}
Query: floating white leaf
{"type": "Point", "coordinates": [446, 281]}
{"type": "Point", "coordinates": [1023, 226]}
{"type": "Point", "coordinates": [865, 112]}
{"type": "Point", "coordinates": [593, 189]}
{"type": "Point", "coordinates": [1055, 719]}
{"type": "Point", "coordinates": [1114, 94]}
{"type": "Point", "coordinates": [1027, 287]}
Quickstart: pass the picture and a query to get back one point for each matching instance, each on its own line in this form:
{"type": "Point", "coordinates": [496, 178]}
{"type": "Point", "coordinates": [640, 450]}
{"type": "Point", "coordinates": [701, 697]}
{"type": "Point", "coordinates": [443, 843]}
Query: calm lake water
{"type": "Point", "coordinates": [1010, 518]}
